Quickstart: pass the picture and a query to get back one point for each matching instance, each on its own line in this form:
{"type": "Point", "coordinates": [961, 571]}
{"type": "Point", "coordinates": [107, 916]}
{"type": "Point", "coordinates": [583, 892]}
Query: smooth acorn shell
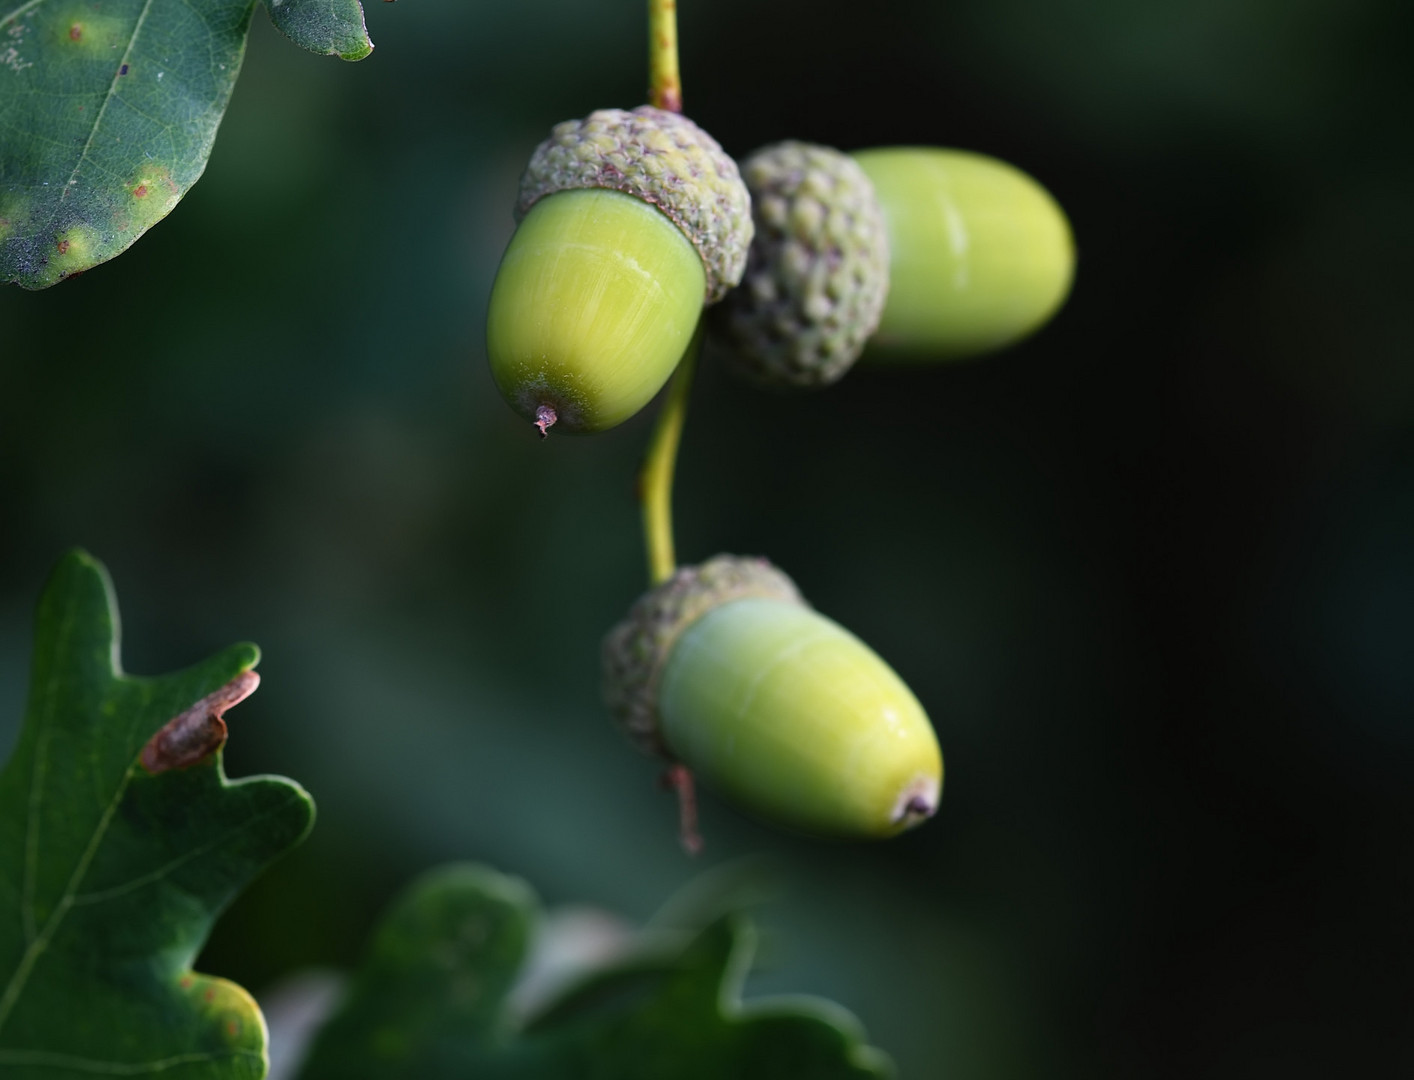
{"type": "Point", "coordinates": [595, 301]}
{"type": "Point", "coordinates": [793, 717]}
{"type": "Point", "coordinates": [981, 255]}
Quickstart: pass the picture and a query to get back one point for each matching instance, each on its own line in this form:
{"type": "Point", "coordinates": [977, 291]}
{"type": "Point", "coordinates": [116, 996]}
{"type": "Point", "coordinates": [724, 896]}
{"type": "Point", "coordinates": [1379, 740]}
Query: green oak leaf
{"type": "Point", "coordinates": [108, 110]}
{"type": "Point", "coordinates": [429, 1002]}
{"type": "Point", "coordinates": [120, 841]}
{"type": "Point", "coordinates": [328, 27]}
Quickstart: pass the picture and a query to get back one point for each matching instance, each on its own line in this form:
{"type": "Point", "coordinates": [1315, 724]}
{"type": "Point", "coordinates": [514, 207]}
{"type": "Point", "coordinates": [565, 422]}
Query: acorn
{"type": "Point", "coordinates": [725, 669]}
{"type": "Point", "coordinates": [629, 222]}
{"type": "Point", "coordinates": [980, 254]}
{"type": "Point", "coordinates": [817, 273]}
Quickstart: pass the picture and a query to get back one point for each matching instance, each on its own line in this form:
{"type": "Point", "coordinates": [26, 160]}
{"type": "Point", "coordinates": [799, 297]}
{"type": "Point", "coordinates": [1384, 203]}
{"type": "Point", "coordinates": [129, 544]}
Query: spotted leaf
{"type": "Point", "coordinates": [108, 111]}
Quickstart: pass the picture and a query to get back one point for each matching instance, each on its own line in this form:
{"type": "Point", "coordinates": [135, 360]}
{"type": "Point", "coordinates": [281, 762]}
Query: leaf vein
{"type": "Point", "coordinates": [112, 93]}
{"type": "Point", "coordinates": [56, 917]}
{"type": "Point", "coordinates": [45, 1058]}
{"type": "Point", "coordinates": [36, 785]}
{"type": "Point", "coordinates": [99, 896]}
{"type": "Point", "coordinates": [20, 11]}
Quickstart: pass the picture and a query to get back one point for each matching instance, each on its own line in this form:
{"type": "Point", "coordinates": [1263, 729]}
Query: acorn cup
{"type": "Point", "coordinates": [725, 669]}
{"type": "Point", "coordinates": [629, 222]}
{"type": "Point", "coordinates": [817, 272]}
{"type": "Point", "coordinates": [980, 254]}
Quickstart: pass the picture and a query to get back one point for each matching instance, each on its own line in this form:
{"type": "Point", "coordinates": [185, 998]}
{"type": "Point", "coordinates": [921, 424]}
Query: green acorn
{"type": "Point", "coordinates": [725, 669]}
{"type": "Point", "coordinates": [980, 254]}
{"type": "Point", "coordinates": [818, 270]}
{"type": "Point", "coordinates": [628, 223]}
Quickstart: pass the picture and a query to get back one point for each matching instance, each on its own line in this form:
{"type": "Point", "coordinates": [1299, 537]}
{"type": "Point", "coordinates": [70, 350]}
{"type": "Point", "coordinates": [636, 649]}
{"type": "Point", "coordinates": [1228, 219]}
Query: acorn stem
{"type": "Point", "coordinates": [678, 778]}
{"type": "Point", "coordinates": [655, 481]}
{"type": "Point", "coordinates": [664, 82]}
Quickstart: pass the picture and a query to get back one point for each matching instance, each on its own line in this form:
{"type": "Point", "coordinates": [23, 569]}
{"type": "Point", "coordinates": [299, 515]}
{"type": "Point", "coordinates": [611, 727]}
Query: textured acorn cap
{"type": "Point", "coordinates": [637, 649]}
{"type": "Point", "coordinates": [818, 272]}
{"type": "Point", "coordinates": [662, 158]}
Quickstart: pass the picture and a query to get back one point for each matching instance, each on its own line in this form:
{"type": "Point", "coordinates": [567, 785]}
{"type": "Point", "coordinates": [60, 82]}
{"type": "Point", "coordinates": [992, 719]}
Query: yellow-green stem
{"type": "Point", "coordinates": [655, 482]}
{"type": "Point", "coordinates": [664, 82]}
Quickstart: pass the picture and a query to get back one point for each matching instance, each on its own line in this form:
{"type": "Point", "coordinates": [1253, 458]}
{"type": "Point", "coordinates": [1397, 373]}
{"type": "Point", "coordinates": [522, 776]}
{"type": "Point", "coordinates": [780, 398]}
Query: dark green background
{"type": "Point", "coordinates": [1152, 572]}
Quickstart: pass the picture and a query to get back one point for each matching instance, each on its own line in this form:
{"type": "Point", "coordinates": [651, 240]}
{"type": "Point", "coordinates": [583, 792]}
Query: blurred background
{"type": "Point", "coordinates": [1151, 572]}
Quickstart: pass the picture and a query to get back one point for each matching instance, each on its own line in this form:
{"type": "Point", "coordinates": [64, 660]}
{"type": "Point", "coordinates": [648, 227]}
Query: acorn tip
{"type": "Point", "coordinates": [917, 804]}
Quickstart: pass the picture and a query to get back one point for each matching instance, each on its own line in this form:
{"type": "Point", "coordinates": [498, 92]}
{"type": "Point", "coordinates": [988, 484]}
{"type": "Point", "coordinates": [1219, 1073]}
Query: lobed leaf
{"type": "Point", "coordinates": [429, 1002]}
{"type": "Point", "coordinates": [120, 840]}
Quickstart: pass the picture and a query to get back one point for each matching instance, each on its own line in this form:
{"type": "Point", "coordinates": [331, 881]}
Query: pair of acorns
{"type": "Point", "coordinates": [631, 221]}
{"type": "Point", "coordinates": [629, 224]}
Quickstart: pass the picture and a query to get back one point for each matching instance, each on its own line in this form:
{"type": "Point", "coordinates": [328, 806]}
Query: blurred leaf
{"type": "Point", "coordinates": [680, 1016]}
{"type": "Point", "coordinates": [429, 1003]}
{"type": "Point", "coordinates": [120, 840]}
{"type": "Point", "coordinates": [428, 997]}
{"type": "Point", "coordinates": [108, 112]}
{"type": "Point", "coordinates": [329, 27]}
